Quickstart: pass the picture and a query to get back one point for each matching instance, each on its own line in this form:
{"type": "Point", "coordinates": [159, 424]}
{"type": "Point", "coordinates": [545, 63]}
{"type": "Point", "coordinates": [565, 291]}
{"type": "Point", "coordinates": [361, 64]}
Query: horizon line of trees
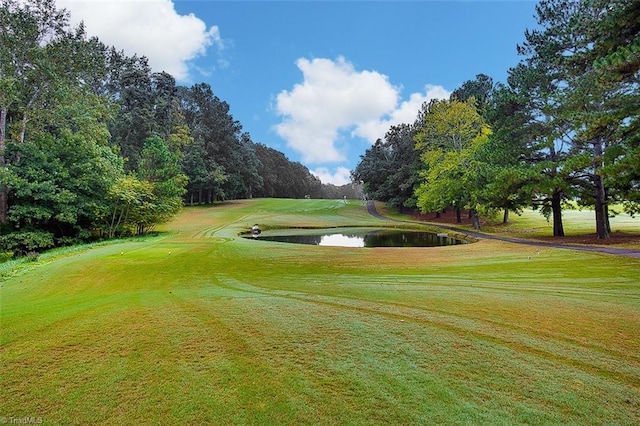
{"type": "Point", "coordinates": [93, 143]}
{"type": "Point", "coordinates": [564, 128]}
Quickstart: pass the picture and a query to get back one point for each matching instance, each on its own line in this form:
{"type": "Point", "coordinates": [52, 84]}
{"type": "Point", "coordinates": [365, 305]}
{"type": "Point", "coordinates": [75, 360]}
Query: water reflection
{"type": "Point", "coordinates": [377, 238]}
{"type": "Point", "coordinates": [341, 240]}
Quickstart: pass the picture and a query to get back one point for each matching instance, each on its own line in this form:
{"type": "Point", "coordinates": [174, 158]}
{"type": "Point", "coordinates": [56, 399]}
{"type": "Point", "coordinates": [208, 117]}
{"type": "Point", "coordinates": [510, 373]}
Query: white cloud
{"type": "Point", "coordinates": [332, 97]}
{"type": "Point", "coordinates": [406, 113]}
{"type": "Point", "coordinates": [340, 176]}
{"type": "Point", "coordinates": [150, 28]}
{"type": "Point", "coordinates": [336, 103]}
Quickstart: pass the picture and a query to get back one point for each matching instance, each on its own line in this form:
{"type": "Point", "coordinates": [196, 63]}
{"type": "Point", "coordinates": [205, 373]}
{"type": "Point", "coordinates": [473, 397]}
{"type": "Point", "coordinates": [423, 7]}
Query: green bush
{"type": "Point", "coordinates": [6, 255]}
{"type": "Point", "coordinates": [25, 242]}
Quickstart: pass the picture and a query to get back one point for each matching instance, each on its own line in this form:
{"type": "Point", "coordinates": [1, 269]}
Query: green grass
{"type": "Point", "coordinates": [576, 222]}
{"type": "Point", "coordinates": [199, 326]}
{"type": "Point", "coordinates": [531, 224]}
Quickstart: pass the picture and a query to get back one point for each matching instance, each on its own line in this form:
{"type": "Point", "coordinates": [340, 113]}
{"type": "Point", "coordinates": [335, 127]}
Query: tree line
{"type": "Point", "coordinates": [564, 127]}
{"type": "Point", "coordinates": [93, 143]}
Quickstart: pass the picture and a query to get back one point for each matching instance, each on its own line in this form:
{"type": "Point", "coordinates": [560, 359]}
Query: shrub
{"type": "Point", "coordinates": [6, 255]}
{"type": "Point", "coordinates": [24, 242]}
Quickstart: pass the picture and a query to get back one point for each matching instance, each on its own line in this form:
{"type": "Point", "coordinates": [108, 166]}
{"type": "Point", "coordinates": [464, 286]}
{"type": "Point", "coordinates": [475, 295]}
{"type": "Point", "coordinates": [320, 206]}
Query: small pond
{"type": "Point", "coordinates": [353, 237]}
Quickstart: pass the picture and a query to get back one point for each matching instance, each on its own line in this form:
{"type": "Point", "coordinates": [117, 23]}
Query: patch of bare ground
{"type": "Point", "coordinates": [448, 217]}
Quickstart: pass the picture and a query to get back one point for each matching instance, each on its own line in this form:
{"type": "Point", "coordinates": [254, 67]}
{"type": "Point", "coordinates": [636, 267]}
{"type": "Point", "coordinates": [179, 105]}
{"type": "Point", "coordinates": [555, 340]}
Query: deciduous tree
{"type": "Point", "coordinates": [450, 133]}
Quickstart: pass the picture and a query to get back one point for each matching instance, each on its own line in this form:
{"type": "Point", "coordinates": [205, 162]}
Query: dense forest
{"type": "Point", "coordinates": [564, 129]}
{"type": "Point", "coordinates": [94, 144]}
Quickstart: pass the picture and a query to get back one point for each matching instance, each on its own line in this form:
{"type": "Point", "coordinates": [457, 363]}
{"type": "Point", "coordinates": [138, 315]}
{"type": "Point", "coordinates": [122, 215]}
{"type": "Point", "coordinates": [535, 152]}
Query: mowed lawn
{"type": "Point", "coordinates": [200, 326]}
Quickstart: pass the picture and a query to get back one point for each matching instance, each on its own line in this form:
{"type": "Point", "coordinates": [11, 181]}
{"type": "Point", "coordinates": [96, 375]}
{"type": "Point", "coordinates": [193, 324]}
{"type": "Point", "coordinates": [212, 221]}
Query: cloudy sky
{"type": "Point", "coordinates": [317, 80]}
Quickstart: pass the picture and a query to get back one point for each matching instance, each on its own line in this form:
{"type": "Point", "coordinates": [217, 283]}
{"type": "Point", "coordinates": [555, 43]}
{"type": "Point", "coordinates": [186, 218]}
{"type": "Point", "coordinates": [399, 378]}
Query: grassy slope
{"type": "Point", "coordinates": [200, 326]}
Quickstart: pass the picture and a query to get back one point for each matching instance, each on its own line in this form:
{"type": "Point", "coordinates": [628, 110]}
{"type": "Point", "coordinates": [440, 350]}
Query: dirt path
{"type": "Point", "coordinates": [371, 208]}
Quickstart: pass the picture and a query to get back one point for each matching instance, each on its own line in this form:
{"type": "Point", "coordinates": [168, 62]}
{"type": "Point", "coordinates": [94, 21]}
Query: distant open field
{"type": "Point", "coordinates": [200, 326]}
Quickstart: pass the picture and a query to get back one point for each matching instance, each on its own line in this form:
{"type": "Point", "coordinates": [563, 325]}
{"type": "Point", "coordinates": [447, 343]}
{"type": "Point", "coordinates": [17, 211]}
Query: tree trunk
{"type": "Point", "coordinates": [475, 219]}
{"type": "Point", "coordinates": [3, 124]}
{"type": "Point", "coordinates": [3, 190]}
{"type": "Point", "coordinates": [23, 127]}
{"type": "Point", "coordinates": [458, 215]}
{"type": "Point", "coordinates": [602, 218]}
{"type": "Point", "coordinates": [556, 208]}
{"type": "Point", "coordinates": [599, 194]}
{"type": "Point", "coordinates": [505, 216]}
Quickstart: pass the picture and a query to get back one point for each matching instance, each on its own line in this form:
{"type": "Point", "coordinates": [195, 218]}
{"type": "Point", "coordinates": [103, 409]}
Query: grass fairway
{"type": "Point", "coordinates": [198, 326]}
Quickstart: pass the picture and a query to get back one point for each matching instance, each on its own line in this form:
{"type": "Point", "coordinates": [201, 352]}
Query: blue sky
{"type": "Point", "coordinates": [317, 80]}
